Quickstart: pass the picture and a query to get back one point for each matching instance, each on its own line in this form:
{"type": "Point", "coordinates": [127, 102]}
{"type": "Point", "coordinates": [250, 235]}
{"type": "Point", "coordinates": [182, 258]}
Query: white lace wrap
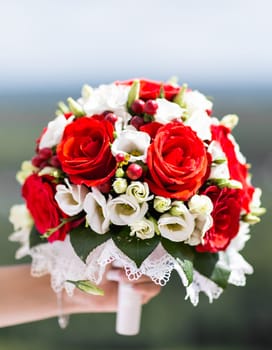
{"type": "Point", "coordinates": [60, 260]}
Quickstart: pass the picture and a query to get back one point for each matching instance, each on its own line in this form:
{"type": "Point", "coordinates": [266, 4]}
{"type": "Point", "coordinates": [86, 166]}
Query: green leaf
{"type": "Point", "coordinates": [36, 238]}
{"type": "Point", "coordinates": [205, 263]}
{"type": "Point", "coordinates": [220, 276]}
{"type": "Point", "coordinates": [84, 240]}
{"type": "Point", "coordinates": [178, 249]}
{"type": "Point", "coordinates": [87, 287]}
{"type": "Point", "coordinates": [188, 268]}
{"type": "Point", "coordinates": [135, 248]}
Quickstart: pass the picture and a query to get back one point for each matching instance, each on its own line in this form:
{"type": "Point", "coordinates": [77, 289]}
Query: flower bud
{"type": "Point", "coordinates": [177, 208]}
{"type": "Point", "coordinates": [161, 204]}
{"type": "Point", "coordinates": [26, 170]}
{"type": "Point", "coordinates": [86, 91]}
{"type": "Point", "coordinates": [179, 97]}
{"type": "Point", "coordinates": [133, 92]}
{"type": "Point", "coordinates": [87, 287]}
{"type": "Point", "coordinates": [75, 107]}
{"type": "Point", "coordinates": [120, 185]}
{"type": "Point", "coordinates": [143, 229]}
{"type": "Point", "coordinates": [200, 204]}
{"type": "Point", "coordinates": [63, 107]}
{"type": "Point", "coordinates": [251, 219]}
{"type": "Point", "coordinates": [230, 121]}
{"type": "Point", "coordinates": [119, 172]}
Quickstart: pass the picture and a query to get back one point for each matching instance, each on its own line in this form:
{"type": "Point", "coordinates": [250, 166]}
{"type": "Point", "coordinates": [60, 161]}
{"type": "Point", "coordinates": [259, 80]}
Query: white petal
{"type": "Point", "coordinates": [167, 111]}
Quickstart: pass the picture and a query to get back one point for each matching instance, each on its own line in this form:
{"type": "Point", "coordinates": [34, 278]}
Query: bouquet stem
{"type": "Point", "coordinates": [129, 310]}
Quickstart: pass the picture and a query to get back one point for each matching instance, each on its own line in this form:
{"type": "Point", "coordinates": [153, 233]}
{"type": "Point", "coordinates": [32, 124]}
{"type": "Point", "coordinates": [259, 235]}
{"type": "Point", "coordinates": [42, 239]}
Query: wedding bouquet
{"type": "Point", "coordinates": [142, 174]}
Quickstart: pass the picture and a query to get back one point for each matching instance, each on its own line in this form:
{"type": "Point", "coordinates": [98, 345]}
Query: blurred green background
{"type": "Point", "coordinates": [240, 319]}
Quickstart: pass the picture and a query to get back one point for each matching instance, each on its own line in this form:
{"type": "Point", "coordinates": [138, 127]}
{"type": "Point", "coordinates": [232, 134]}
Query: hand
{"type": "Point", "coordinates": [82, 302]}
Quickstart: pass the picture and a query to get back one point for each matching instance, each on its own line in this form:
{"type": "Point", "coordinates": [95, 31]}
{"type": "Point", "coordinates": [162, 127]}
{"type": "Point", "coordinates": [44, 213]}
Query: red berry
{"type": "Point", "coordinates": [111, 117]}
{"type": "Point", "coordinates": [138, 106]}
{"type": "Point", "coordinates": [120, 157]}
{"type": "Point", "coordinates": [45, 153]}
{"type": "Point", "coordinates": [55, 162]}
{"type": "Point", "coordinates": [134, 171]}
{"type": "Point", "coordinates": [150, 107]}
{"type": "Point", "coordinates": [137, 121]}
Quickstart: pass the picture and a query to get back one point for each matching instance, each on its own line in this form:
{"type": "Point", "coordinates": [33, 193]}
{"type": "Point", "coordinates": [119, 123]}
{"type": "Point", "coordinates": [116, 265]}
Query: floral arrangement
{"type": "Point", "coordinates": [142, 172]}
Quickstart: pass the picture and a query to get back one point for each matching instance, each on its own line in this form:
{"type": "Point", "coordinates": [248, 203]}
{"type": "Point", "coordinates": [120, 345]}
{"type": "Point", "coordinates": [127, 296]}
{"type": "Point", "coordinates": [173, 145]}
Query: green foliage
{"type": "Point", "coordinates": [36, 238]}
{"type": "Point", "coordinates": [135, 248]}
{"type": "Point", "coordinates": [84, 240]}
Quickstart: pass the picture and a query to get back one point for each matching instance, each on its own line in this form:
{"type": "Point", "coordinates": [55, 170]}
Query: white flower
{"type": "Point", "coordinates": [167, 111]}
{"type": "Point", "coordinates": [125, 210]}
{"type": "Point", "coordinates": [54, 131]}
{"type": "Point", "coordinates": [239, 155]}
{"type": "Point", "coordinates": [200, 122]}
{"type": "Point", "coordinates": [139, 190]}
{"type": "Point", "coordinates": [95, 205]}
{"type": "Point", "coordinates": [70, 198]}
{"type": "Point", "coordinates": [194, 101]}
{"type": "Point", "coordinates": [143, 229]}
{"type": "Point", "coordinates": [132, 142]}
{"type": "Point", "coordinates": [161, 204]}
{"type": "Point", "coordinates": [176, 228]}
{"type": "Point", "coordinates": [26, 170]}
{"type": "Point", "coordinates": [20, 217]}
{"type": "Point", "coordinates": [110, 97]}
{"type": "Point", "coordinates": [256, 200]}
{"type": "Point", "coordinates": [203, 222]}
{"type": "Point", "coordinates": [220, 170]}
{"type": "Point", "coordinates": [200, 204]}
{"type": "Point", "coordinates": [120, 185]}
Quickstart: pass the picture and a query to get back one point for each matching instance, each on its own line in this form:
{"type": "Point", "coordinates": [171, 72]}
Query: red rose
{"type": "Point", "coordinates": [177, 162]}
{"type": "Point", "coordinates": [151, 128]}
{"type": "Point", "coordinates": [226, 216]}
{"type": "Point", "coordinates": [237, 170]}
{"type": "Point", "coordinates": [84, 151]}
{"type": "Point", "coordinates": [152, 89]}
{"type": "Point", "coordinates": [39, 194]}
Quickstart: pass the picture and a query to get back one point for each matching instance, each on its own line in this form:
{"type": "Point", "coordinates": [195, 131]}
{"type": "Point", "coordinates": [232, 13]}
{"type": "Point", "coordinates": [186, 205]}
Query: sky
{"type": "Point", "coordinates": [61, 43]}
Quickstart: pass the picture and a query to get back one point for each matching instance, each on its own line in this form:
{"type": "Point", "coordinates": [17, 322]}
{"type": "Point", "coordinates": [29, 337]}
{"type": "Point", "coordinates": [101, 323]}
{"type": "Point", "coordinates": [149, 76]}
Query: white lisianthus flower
{"type": "Point", "coordinates": [26, 170]}
{"type": "Point", "coordinates": [143, 229]}
{"type": "Point", "coordinates": [200, 122]}
{"type": "Point", "coordinates": [54, 131]}
{"type": "Point", "coordinates": [132, 142]}
{"type": "Point", "coordinates": [70, 198]}
{"type": "Point", "coordinates": [95, 205]}
{"type": "Point", "coordinates": [139, 190]}
{"type": "Point", "coordinates": [167, 111]}
{"type": "Point", "coordinates": [220, 169]}
{"type": "Point", "coordinates": [194, 101]}
{"type": "Point", "coordinates": [20, 217]}
{"type": "Point", "coordinates": [200, 204]}
{"type": "Point", "coordinates": [161, 204]}
{"type": "Point", "coordinates": [110, 97]}
{"type": "Point", "coordinates": [203, 222]}
{"type": "Point", "coordinates": [176, 228]}
{"type": "Point", "coordinates": [125, 210]}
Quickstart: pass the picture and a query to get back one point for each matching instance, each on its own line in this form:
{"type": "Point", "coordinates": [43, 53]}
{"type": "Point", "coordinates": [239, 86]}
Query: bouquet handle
{"type": "Point", "coordinates": [129, 310]}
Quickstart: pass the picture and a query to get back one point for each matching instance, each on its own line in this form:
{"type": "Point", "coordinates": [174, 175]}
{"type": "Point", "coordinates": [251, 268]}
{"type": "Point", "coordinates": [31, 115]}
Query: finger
{"type": "Point", "coordinates": [147, 289]}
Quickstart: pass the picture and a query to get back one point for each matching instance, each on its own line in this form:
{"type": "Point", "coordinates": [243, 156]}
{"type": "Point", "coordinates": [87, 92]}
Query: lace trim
{"type": "Point", "coordinates": [60, 260]}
